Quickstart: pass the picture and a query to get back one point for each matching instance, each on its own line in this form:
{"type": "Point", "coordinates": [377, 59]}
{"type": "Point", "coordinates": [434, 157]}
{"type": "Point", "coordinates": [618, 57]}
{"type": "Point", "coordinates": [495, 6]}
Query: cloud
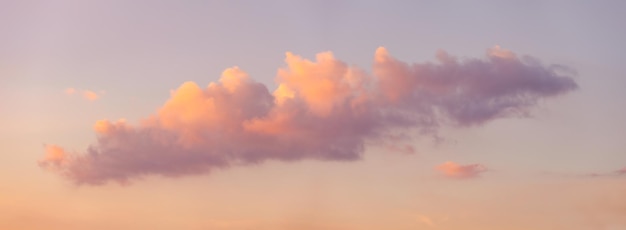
{"type": "Point", "coordinates": [323, 109]}
{"type": "Point", "coordinates": [457, 171]}
{"type": "Point", "coordinates": [90, 95]}
{"type": "Point", "coordinates": [425, 220]}
{"type": "Point", "coordinates": [615, 173]}
{"type": "Point", "coordinates": [86, 94]}
{"type": "Point", "coordinates": [70, 91]}
{"type": "Point", "coordinates": [54, 155]}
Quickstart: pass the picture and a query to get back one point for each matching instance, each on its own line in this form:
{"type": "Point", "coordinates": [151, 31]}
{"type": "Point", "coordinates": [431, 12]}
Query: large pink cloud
{"type": "Point", "coordinates": [323, 109]}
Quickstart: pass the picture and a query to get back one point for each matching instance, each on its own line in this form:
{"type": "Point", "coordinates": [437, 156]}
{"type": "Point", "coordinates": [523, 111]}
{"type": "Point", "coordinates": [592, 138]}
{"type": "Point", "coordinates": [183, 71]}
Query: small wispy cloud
{"type": "Point", "coordinates": [425, 220]}
{"type": "Point", "coordinates": [54, 155]}
{"type": "Point", "coordinates": [70, 91]}
{"type": "Point", "coordinates": [85, 94]}
{"type": "Point", "coordinates": [615, 173]}
{"type": "Point", "coordinates": [90, 95]}
{"type": "Point", "coordinates": [458, 171]}
{"type": "Point", "coordinates": [430, 221]}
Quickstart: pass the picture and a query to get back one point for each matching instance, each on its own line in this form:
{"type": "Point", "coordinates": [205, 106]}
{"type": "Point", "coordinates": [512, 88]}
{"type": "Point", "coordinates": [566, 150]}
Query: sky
{"type": "Point", "coordinates": [311, 115]}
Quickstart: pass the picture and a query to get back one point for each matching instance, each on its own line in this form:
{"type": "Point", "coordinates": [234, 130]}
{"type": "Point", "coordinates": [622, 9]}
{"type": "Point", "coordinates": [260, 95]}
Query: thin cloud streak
{"type": "Point", "coordinates": [85, 94]}
{"type": "Point", "coordinates": [323, 109]}
{"type": "Point", "coordinates": [457, 171]}
{"type": "Point", "coordinates": [616, 173]}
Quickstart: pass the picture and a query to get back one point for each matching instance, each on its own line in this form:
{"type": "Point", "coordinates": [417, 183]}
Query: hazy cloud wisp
{"type": "Point", "coordinates": [457, 171]}
{"type": "Point", "coordinates": [85, 94]}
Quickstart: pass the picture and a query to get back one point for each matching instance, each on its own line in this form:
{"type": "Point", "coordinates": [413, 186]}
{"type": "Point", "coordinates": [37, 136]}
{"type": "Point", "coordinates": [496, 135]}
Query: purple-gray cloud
{"type": "Point", "coordinates": [322, 109]}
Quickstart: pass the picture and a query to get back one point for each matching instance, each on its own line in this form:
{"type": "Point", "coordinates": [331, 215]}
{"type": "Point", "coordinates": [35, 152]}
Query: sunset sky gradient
{"type": "Point", "coordinates": [311, 115]}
